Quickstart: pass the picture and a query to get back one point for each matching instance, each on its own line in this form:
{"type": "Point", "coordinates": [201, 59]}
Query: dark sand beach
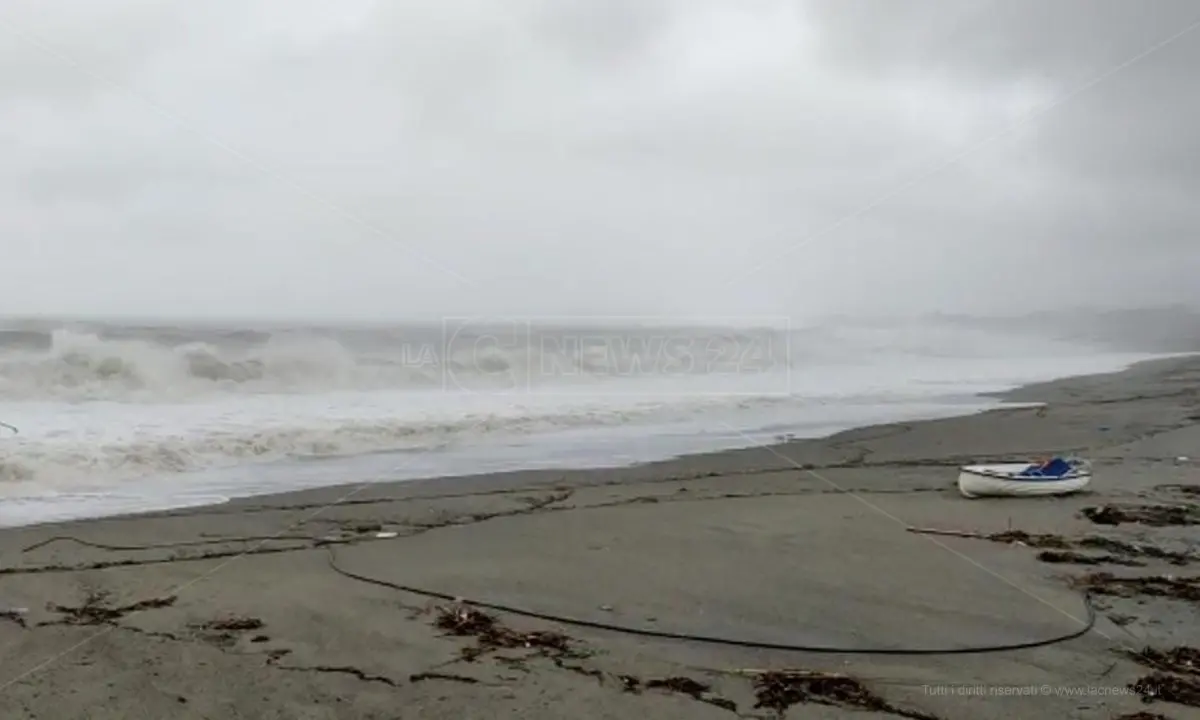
{"type": "Point", "coordinates": [289, 606]}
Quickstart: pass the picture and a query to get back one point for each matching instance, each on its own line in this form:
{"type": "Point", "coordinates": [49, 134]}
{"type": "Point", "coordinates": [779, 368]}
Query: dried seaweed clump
{"type": "Point", "coordinates": [490, 634]}
{"type": "Point", "coordinates": [1167, 586]}
{"type": "Point", "coordinates": [1181, 489]}
{"type": "Point", "coordinates": [1034, 540]}
{"type": "Point", "coordinates": [96, 610]}
{"type": "Point", "coordinates": [224, 632]}
{"type": "Point", "coordinates": [1167, 688]}
{"type": "Point", "coordinates": [1152, 515]}
{"type": "Point", "coordinates": [692, 688]}
{"type": "Point", "coordinates": [1182, 659]}
{"type": "Point", "coordinates": [1070, 557]}
{"type": "Point", "coordinates": [1051, 542]}
{"type": "Point", "coordinates": [780, 690]}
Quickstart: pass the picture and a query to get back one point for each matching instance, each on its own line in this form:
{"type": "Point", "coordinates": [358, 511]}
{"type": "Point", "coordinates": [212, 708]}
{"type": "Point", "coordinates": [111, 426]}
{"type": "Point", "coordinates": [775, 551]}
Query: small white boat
{"type": "Point", "coordinates": [1055, 477]}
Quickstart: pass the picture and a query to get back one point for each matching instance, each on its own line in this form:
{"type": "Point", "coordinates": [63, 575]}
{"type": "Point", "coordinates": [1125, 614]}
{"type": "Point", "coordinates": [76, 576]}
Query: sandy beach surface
{"type": "Point", "coordinates": [303, 605]}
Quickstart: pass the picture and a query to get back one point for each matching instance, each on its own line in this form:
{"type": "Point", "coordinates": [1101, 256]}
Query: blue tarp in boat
{"type": "Point", "coordinates": [1055, 468]}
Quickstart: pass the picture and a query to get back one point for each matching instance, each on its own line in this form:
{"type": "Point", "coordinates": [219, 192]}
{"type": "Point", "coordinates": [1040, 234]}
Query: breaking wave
{"type": "Point", "coordinates": [173, 365]}
{"type": "Point", "coordinates": [25, 460]}
{"type": "Point", "coordinates": [85, 366]}
{"type": "Point", "coordinates": [99, 405]}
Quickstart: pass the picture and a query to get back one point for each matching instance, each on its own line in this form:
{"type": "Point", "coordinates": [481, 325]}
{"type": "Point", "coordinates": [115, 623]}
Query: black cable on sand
{"type": "Point", "coordinates": [1089, 623]}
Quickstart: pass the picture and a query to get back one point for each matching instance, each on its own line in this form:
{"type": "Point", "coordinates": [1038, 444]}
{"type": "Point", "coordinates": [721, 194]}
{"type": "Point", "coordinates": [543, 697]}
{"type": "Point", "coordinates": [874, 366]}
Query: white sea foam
{"type": "Point", "coordinates": [103, 408]}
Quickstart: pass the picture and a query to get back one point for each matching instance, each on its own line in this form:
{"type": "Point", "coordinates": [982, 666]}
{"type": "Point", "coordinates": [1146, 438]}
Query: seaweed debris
{"type": "Point", "coordinates": [234, 624]}
{"type": "Point", "coordinates": [14, 615]}
{"type": "Point", "coordinates": [1167, 688]}
{"type": "Point", "coordinates": [781, 689]}
{"type": "Point", "coordinates": [1152, 515]}
{"type": "Point", "coordinates": [1182, 659]}
{"type": "Point", "coordinates": [462, 620]}
{"type": "Point", "coordinates": [224, 632]}
{"type": "Point", "coordinates": [1048, 541]}
{"type": "Point", "coordinates": [1091, 542]}
{"type": "Point", "coordinates": [1095, 542]}
{"type": "Point", "coordinates": [686, 686]}
{"type": "Point", "coordinates": [490, 634]}
{"type": "Point", "coordinates": [1166, 586]}
{"type": "Point", "coordinates": [1033, 540]}
{"type": "Point", "coordinates": [422, 677]}
{"type": "Point", "coordinates": [96, 610]}
{"type": "Point", "coordinates": [1070, 557]}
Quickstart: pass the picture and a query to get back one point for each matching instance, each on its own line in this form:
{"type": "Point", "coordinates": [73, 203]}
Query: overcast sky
{"type": "Point", "coordinates": [375, 159]}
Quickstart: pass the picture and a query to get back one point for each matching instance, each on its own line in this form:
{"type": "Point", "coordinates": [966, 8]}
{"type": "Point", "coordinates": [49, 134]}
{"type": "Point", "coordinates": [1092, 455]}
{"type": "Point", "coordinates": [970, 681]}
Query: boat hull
{"type": "Point", "coordinates": [1005, 481]}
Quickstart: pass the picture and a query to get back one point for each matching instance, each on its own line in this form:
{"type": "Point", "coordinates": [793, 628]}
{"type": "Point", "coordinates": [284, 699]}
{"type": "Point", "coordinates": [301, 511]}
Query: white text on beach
{"type": "Point", "coordinates": [1037, 690]}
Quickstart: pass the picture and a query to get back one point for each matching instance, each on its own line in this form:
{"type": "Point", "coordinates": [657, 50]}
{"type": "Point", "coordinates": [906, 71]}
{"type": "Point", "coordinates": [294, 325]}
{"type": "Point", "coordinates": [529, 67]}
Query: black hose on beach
{"type": "Point", "coordinates": [1089, 623]}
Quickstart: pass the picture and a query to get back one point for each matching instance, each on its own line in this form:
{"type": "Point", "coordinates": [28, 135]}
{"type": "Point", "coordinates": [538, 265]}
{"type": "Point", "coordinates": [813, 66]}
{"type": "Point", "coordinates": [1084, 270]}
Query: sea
{"type": "Point", "coordinates": [104, 418]}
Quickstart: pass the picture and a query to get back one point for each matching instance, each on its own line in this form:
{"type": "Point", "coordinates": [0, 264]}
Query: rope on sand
{"type": "Point", "coordinates": [1088, 624]}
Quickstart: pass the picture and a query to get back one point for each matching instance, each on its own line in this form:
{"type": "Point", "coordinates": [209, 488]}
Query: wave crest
{"type": "Point", "coordinates": [85, 366]}
{"type": "Point", "coordinates": [74, 365]}
{"type": "Point", "coordinates": [62, 461]}
{"type": "Point", "coordinates": [174, 364]}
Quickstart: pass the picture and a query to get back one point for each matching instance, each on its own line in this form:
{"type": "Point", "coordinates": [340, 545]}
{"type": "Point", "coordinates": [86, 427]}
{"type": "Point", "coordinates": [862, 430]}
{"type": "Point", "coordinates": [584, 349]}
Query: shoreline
{"type": "Point", "coordinates": [1017, 398]}
{"type": "Point", "coordinates": [1024, 397]}
{"type": "Point", "coordinates": [1002, 400]}
{"type": "Point", "coordinates": [235, 610]}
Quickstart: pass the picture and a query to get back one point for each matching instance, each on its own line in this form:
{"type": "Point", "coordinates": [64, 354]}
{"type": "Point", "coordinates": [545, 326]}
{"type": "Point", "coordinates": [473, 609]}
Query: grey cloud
{"type": "Point", "coordinates": [976, 39]}
{"type": "Point", "coordinates": [263, 157]}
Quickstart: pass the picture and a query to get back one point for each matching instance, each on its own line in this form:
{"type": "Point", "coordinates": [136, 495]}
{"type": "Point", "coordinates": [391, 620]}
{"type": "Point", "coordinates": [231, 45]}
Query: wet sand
{"type": "Point", "coordinates": [288, 606]}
